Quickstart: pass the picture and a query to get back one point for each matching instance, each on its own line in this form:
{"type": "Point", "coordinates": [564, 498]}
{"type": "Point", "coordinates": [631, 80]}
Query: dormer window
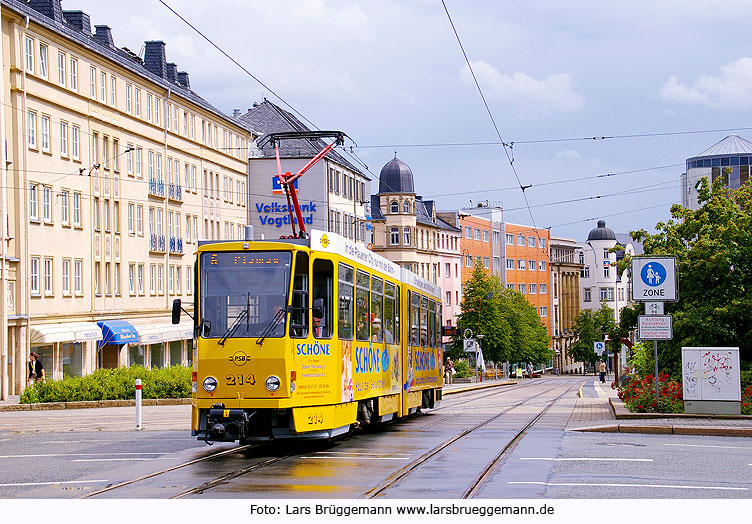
{"type": "Point", "coordinates": [406, 207]}
{"type": "Point", "coordinates": [394, 207]}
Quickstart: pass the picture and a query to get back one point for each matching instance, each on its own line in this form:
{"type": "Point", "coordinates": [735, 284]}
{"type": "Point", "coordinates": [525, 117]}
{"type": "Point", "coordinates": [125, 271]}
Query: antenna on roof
{"type": "Point", "coordinates": [142, 52]}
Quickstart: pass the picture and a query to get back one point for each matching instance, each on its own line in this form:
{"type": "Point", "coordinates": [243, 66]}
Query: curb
{"type": "Point", "coordinates": [88, 404]}
{"type": "Point", "coordinates": [623, 413]}
{"type": "Point", "coordinates": [708, 431]}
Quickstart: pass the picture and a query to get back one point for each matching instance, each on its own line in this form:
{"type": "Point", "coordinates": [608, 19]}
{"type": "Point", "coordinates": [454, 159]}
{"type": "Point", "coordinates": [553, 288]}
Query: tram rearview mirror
{"type": "Point", "coordinates": [176, 305]}
{"type": "Point", "coordinates": [318, 308]}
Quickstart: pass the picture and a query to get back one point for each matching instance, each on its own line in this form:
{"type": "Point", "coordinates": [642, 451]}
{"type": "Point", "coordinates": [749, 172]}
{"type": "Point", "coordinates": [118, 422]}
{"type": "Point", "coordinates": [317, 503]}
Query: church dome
{"type": "Point", "coordinates": [396, 177]}
{"type": "Point", "coordinates": [601, 232]}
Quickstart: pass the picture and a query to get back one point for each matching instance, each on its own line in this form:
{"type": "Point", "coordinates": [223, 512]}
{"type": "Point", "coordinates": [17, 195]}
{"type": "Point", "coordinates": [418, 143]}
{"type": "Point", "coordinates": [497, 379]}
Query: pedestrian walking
{"type": "Point", "coordinates": [448, 371]}
{"type": "Point", "coordinates": [602, 370]}
{"type": "Point", "coordinates": [38, 368]}
{"type": "Point", "coordinates": [31, 375]}
{"type": "Point", "coordinates": [530, 370]}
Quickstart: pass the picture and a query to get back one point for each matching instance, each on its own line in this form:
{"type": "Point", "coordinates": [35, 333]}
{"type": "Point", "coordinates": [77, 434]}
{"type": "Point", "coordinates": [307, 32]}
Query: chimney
{"type": "Point", "coordinates": [155, 59]}
{"type": "Point", "coordinates": [103, 35]}
{"type": "Point", "coordinates": [183, 79]}
{"type": "Point", "coordinates": [236, 113]}
{"type": "Point", "coordinates": [50, 8]}
{"type": "Point", "coordinates": [79, 21]}
{"type": "Point", "coordinates": [172, 72]}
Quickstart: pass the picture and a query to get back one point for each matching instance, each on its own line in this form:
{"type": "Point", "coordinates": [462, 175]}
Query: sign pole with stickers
{"type": "Point", "coordinates": [654, 281]}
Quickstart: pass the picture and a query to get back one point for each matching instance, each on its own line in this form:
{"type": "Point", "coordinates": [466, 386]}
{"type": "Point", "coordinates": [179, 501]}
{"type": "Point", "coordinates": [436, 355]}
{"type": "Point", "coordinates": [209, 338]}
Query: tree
{"type": "Point", "coordinates": [590, 327]}
{"type": "Point", "coordinates": [511, 327]}
{"type": "Point", "coordinates": [713, 246]}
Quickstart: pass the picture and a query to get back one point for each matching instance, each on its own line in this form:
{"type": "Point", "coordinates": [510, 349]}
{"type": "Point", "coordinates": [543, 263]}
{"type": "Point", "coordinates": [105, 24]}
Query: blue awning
{"type": "Point", "coordinates": [117, 332]}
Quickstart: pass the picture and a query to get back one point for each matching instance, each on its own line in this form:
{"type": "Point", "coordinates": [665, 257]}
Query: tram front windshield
{"type": "Point", "coordinates": [244, 292]}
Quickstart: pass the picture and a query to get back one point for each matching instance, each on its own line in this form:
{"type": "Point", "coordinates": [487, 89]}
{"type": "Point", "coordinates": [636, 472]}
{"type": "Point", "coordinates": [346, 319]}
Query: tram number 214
{"type": "Point", "coordinates": [240, 379]}
{"type": "Point", "coordinates": [314, 419]}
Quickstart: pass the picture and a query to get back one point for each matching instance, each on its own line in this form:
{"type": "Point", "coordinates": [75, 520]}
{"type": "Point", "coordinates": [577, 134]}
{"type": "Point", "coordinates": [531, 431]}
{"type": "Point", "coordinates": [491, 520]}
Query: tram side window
{"type": "Point", "coordinates": [414, 316]}
{"type": "Point", "coordinates": [439, 323]}
{"type": "Point", "coordinates": [388, 319]}
{"type": "Point", "coordinates": [397, 316]}
{"type": "Point", "coordinates": [362, 309]}
{"type": "Point", "coordinates": [323, 275]}
{"type": "Point", "coordinates": [424, 321]}
{"type": "Point", "coordinates": [299, 315]}
{"type": "Point", "coordinates": [346, 302]}
{"type": "Point", "coordinates": [377, 298]}
{"type": "Point", "coordinates": [432, 323]}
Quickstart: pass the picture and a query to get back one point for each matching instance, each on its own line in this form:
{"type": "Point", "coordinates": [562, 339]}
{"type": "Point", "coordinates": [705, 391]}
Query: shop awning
{"type": "Point", "coordinates": [66, 332]}
{"type": "Point", "coordinates": [117, 332]}
{"type": "Point", "coordinates": [172, 332]}
{"type": "Point", "coordinates": [148, 333]}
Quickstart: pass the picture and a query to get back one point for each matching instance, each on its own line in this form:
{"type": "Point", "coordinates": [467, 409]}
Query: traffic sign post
{"type": "Point", "coordinates": [654, 281]}
{"type": "Point", "coordinates": [599, 347]}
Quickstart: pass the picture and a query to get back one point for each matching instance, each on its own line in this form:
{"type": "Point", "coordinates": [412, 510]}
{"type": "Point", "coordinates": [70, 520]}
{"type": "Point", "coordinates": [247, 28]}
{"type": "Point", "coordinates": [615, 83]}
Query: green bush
{"type": "Point", "coordinates": [113, 384]}
{"type": "Point", "coordinates": [463, 369]}
{"type": "Point", "coordinates": [638, 395]}
{"type": "Point", "coordinates": [746, 378]}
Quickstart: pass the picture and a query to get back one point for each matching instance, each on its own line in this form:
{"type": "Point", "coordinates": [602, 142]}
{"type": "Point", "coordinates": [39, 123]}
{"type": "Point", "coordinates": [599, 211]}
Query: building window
{"type": "Point", "coordinates": [93, 82]}
{"type": "Point", "coordinates": [531, 242]}
{"type": "Point", "coordinates": [77, 209]}
{"type": "Point", "coordinates": [61, 69]}
{"type": "Point", "coordinates": [157, 106]}
{"type": "Point", "coordinates": [75, 134]}
{"type": "Point", "coordinates": [585, 272]}
{"type": "Point", "coordinates": [468, 232]}
{"type": "Point", "coordinates": [137, 102]}
{"type": "Point", "coordinates": [543, 289]}
{"type": "Point", "coordinates": [521, 288]}
{"type": "Point", "coordinates": [604, 294]}
{"type": "Point", "coordinates": [542, 265]}
{"type": "Point", "coordinates": [77, 272]}
{"type": "Point", "coordinates": [45, 135]}
{"type": "Point", "coordinates": [543, 311]}
{"type": "Point", "coordinates": [531, 265]}
{"type": "Point", "coordinates": [477, 234]}
{"type": "Point", "coordinates": [521, 265]}
{"type": "Point", "coordinates": [533, 289]}
{"type": "Point", "coordinates": [448, 298]}
{"type": "Point", "coordinates": [520, 240]}
{"type": "Point", "coordinates": [509, 239]}
{"type": "Point", "coordinates": [43, 72]}
{"type": "Point", "coordinates": [610, 295]}
{"type": "Point", "coordinates": [485, 235]}
{"type": "Point", "coordinates": [588, 295]}
{"type": "Point", "coordinates": [103, 87]}
{"type": "Point", "coordinates": [542, 242]}
{"type": "Point", "coordinates": [468, 261]}
{"type": "Point", "coordinates": [486, 263]}
{"type": "Point", "coordinates": [66, 276]}
{"type": "Point", "coordinates": [32, 129]}
{"type": "Point", "coordinates": [64, 209]}
{"type": "Point", "coordinates": [141, 279]}
{"type": "Point", "coordinates": [73, 74]}
{"type": "Point", "coordinates": [394, 236]}
{"type": "Point", "coordinates": [406, 207]}
{"type": "Point", "coordinates": [48, 279]}
{"type": "Point", "coordinates": [510, 263]}
{"type": "Point", "coordinates": [148, 107]}
{"type": "Point", "coordinates": [132, 279]}
{"type": "Point", "coordinates": [128, 98]}
{"type": "Point", "coordinates": [406, 235]}
{"type": "Point", "coordinates": [34, 202]}
{"type": "Point", "coordinates": [394, 207]}
{"type": "Point", "coordinates": [34, 275]}
{"type": "Point", "coordinates": [113, 90]}
{"type": "Point", "coordinates": [605, 253]}
{"type": "Point", "coordinates": [47, 204]}
{"type": "Point", "coordinates": [97, 277]}
{"type": "Point", "coordinates": [606, 271]}
{"type": "Point", "coordinates": [153, 279]}
{"type": "Point", "coordinates": [30, 55]}
{"type": "Point", "coordinates": [63, 139]}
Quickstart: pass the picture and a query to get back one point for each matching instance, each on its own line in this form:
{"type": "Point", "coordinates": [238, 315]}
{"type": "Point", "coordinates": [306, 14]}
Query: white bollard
{"type": "Point", "coordinates": [138, 404]}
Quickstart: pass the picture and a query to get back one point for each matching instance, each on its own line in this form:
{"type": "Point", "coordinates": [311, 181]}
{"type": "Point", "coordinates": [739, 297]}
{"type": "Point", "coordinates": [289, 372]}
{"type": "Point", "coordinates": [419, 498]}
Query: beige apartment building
{"type": "Point", "coordinates": [113, 169]}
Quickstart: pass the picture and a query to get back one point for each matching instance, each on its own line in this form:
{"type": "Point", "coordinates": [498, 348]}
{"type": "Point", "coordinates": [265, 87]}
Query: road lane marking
{"type": "Point", "coordinates": [119, 459]}
{"type": "Point", "coordinates": [589, 458]}
{"type": "Point", "coordinates": [12, 484]}
{"type": "Point", "coordinates": [75, 455]}
{"type": "Point", "coordinates": [359, 458]}
{"type": "Point", "coordinates": [708, 446]}
{"type": "Point", "coordinates": [590, 484]}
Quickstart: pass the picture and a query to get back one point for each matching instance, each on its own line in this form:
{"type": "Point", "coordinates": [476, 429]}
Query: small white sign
{"type": "Point", "coordinates": [599, 347]}
{"type": "Point", "coordinates": [654, 308]}
{"type": "Point", "coordinates": [469, 344]}
{"type": "Point", "coordinates": [655, 327]}
{"type": "Point", "coordinates": [654, 279]}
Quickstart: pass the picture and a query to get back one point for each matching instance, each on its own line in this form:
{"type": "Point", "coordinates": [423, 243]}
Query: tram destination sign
{"type": "Point", "coordinates": [655, 327]}
{"type": "Point", "coordinates": [654, 279]}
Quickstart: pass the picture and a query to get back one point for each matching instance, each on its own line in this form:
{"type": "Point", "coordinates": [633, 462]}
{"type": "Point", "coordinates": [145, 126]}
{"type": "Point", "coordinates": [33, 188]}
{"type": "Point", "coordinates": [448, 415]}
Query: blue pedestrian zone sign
{"type": "Point", "coordinates": [654, 279]}
{"type": "Point", "coordinates": [653, 274]}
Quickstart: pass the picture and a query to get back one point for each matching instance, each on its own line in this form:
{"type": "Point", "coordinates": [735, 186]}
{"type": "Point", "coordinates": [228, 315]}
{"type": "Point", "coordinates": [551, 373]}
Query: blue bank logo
{"type": "Point", "coordinates": [385, 360]}
{"type": "Point", "coordinates": [653, 274]}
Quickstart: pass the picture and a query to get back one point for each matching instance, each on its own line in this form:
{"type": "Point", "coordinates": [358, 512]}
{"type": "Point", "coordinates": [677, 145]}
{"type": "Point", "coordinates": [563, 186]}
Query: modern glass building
{"type": "Point", "coordinates": [730, 159]}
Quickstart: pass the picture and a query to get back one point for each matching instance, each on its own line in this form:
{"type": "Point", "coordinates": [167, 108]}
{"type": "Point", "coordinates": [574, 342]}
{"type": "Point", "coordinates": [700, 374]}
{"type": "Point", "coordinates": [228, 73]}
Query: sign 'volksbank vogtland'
{"type": "Point", "coordinates": [275, 214]}
{"type": "Point", "coordinates": [654, 279]}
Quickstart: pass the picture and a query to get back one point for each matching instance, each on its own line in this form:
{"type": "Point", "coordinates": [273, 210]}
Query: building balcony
{"type": "Point", "coordinates": [175, 192]}
{"type": "Point", "coordinates": [156, 188]}
{"type": "Point", "coordinates": [157, 243]}
{"type": "Point", "coordinates": [176, 246]}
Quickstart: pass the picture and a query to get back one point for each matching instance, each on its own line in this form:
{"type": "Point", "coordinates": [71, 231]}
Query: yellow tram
{"type": "Point", "coordinates": [309, 338]}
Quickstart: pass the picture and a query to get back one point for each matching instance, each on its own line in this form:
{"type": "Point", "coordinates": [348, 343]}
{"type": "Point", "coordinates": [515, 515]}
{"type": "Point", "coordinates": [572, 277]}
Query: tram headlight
{"type": "Point", "coordinates": [210, 384]}
{"type": "Point", "coordinates": [272, 383]}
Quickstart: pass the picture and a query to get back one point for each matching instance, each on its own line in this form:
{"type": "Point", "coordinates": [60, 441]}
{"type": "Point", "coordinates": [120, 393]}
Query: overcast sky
{"type": "Point", "coordinates": [391, 75]}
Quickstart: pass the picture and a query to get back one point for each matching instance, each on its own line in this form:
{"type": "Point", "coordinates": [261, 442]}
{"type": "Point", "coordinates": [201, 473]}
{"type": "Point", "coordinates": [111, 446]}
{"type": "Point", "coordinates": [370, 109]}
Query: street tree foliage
{"type": "Point", "coordinates": [591, 327]}
{"type": "Point", "coordinates": [713, 246]}
{"type": "Point", "coordinates": [511, 328]}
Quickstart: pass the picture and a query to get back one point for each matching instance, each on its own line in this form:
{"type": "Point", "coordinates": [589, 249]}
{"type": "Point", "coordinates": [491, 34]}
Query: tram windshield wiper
{"type": "Point", "coordinates": [244, 315]}
{"type": "Point", "coordinates": [272, 325]}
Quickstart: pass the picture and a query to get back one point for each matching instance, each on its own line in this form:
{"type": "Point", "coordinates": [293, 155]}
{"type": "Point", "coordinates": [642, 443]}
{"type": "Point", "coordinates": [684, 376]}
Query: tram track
{"type": "Point", "coordinates": [405, 471]}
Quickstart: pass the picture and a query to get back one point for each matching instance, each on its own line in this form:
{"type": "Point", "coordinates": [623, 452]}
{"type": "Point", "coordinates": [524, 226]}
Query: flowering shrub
{"type": "Point", "coordinates": [747, 400]}
{"type": "Point", "coordinates": [638, 395]}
